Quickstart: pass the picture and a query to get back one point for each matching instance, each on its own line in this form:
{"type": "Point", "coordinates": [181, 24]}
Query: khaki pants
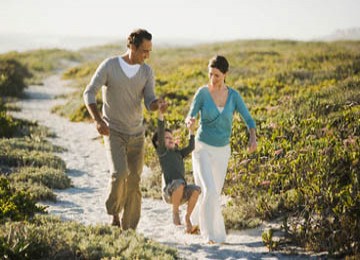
{"type": "Point", "coordinates": [126, 159]}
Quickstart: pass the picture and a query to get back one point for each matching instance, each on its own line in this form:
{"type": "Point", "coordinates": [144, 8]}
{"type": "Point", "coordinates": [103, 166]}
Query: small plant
{"type": "Point", "coordinates": [267, 238]}
{"type": "Point", "coordinates": [15, 205]}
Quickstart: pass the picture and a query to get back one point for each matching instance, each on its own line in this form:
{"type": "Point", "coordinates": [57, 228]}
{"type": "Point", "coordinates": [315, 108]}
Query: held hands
{"type": "Point", "coordinates": [162, 105]}
{"type": "Point", "coordinates": [156, 104]}
{"type": "Point", "coordinates": [190, 124]}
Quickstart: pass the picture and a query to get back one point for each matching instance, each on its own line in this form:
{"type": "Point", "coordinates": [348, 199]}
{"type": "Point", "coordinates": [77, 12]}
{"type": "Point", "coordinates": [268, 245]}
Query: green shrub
{"type": "Point", "coordinates": [7, 124]}
{"type": "Point", "coordinates": [35, 190]}
{"type": "Point", "coordinates": [12, 76]}
{"type": "Point", "coordinates": [21, 158]}
{"type": "Point", "coordinates": [48, 238]}
{"type": "Point", "coordinates": [49, 177]}
{"type": "Point", "coordinates": [15, 205]}
{"type": "Point", "coordinates": [28, 144]}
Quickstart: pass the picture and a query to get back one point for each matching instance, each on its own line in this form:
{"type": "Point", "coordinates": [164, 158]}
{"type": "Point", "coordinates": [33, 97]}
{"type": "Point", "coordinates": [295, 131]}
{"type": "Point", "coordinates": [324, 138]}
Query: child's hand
{"type": "Point", "coordinates": [163, 105]}
{"type": "Point", "coordinates": [190, 124]}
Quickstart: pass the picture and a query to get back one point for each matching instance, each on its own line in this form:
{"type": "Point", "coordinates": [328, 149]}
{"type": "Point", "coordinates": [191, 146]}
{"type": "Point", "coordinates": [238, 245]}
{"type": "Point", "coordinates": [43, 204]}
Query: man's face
{"type": "Point", "coordinates": [140, 54]}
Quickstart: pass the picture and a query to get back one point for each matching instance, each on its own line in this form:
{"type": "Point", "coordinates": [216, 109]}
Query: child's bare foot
{"type": "Point", "coordinates": [190, 229]}
{"type": "Point", "coordinates": [176, 218]}
{"type": "Point", "coordinates": [193, 230]}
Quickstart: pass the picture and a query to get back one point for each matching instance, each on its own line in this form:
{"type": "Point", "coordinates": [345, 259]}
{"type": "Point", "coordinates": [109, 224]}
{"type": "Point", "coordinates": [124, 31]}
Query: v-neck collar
{"type": "Point", "coordinates": [122, 70]}
{"type": "Point", "coordinates": [213, 102]}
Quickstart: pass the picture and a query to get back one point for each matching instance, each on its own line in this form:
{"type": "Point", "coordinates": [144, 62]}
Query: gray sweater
{"type": "Point", "coordinates": [122, 96]}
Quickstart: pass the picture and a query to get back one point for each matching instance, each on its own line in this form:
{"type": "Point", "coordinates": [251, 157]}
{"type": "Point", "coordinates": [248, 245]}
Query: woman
{"type": "Point", "coordinates": [216, 104]}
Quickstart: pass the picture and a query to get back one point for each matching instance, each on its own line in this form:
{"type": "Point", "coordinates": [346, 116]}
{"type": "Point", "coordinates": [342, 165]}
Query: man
{"type": "Point", "coordinates": [125, 80]}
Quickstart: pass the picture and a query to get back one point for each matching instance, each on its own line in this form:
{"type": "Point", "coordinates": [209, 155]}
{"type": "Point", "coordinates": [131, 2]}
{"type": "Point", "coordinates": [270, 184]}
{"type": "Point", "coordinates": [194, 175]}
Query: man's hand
{"type": "Point", "coordinates": [156, 103]}
{"type": "Point", "coordinates": [100, 124]}
{"type": "Point", "coordinates": [163, 105]}
{"type": "Point", "coordinates": [102, 127]}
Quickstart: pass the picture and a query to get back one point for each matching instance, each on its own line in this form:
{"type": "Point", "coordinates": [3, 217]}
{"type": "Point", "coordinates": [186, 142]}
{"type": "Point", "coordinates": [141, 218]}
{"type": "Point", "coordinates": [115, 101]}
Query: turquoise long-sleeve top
{"type": "Point", "coordinates": [215, 126]}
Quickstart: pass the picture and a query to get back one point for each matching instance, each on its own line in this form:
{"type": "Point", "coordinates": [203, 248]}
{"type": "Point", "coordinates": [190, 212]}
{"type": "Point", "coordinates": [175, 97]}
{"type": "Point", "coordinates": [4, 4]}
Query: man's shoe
{"type": "Point", "coordinates": [116, 221]}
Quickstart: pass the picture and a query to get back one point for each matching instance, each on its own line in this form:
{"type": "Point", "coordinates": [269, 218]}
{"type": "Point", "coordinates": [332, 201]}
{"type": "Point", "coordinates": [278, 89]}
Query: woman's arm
{"type": "Point", "coordinates": [250, 122]}
{"type": "Point", "coordinates": [252, 140]}
{"type": "Point", "coordinates": [195, 106]}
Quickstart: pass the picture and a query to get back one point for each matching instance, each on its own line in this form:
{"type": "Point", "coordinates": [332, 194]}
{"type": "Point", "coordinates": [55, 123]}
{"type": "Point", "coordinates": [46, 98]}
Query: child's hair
{"type": "Point", "coordinates": [155, 137]}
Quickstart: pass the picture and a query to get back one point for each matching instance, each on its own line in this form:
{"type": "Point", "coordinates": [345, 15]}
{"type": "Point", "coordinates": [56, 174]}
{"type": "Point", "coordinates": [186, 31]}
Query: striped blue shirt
{"type": "Point", "coordinates": [215, 126]}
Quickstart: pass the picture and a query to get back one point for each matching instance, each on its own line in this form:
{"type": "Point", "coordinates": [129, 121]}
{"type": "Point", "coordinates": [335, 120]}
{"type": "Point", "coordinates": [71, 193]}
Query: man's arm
{"type": "Point", "coordinates": [98, 79]}
{"type": "Point", "coordinates": [100, 124]}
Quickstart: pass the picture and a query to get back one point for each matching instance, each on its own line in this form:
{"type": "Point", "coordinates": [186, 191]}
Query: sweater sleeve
{"type": "Point", "coordinates": [97, 81]}
{"type": "Point", "coordinates": [196, 104]}
{"type": "Point", "coordinates": [185, 151]}
{"type": "Point", "coordinates": [244, 112]}
{"type": "Point", "coordinates": [149, 92]}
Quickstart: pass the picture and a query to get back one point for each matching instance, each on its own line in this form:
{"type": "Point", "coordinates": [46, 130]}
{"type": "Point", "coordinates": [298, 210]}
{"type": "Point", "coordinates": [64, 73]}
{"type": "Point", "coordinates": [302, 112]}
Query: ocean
{"type": "Point", "coordinates": [24, 42]}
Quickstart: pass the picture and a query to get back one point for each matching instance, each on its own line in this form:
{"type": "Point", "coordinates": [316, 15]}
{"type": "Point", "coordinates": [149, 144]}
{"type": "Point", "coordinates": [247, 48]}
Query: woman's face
{"type": "Point", "coordinates": [216, 77]}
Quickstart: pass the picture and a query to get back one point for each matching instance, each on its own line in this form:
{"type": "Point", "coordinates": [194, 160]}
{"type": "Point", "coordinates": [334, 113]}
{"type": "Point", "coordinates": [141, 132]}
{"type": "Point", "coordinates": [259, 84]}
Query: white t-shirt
{"type": "Point", "coordinates": [129, 69]}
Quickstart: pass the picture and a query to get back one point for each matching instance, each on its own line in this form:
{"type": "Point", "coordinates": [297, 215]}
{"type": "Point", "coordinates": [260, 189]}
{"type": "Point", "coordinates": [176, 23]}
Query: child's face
{"type": "Point", "coordinates": [169, 140]}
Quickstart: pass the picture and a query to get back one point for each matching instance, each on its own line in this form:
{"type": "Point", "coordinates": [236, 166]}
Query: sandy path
{"type": "Point", "coordinates": [87, 167]}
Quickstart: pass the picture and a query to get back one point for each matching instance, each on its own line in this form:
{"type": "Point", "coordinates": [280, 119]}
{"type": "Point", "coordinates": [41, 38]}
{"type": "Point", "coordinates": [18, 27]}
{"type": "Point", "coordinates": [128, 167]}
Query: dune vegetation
{"type": "Point", "coordinates": [305, 98]}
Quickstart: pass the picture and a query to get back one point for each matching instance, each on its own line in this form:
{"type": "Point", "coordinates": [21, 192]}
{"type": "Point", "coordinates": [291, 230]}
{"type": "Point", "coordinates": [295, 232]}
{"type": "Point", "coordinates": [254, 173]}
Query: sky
{"type": "Point", "coordinates": [172, 20]}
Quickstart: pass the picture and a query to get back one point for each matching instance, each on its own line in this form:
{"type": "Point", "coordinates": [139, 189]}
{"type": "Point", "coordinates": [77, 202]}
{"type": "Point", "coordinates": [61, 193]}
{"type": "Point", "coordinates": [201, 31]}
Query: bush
{"type": "Point", "coordinates": [7, 123]}
{"type": "Point", "coordinates": [12, 76]}
{"type": "Point", "coordinates": [15, 205]}
{"type": "Point", "coordinates": [48, 238]}
{"type": "Point", "coordinates": [49, 177]}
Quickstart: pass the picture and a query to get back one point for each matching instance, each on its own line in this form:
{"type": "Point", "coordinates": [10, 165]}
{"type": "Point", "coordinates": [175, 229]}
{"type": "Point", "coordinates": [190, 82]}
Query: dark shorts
{"type": "Point", "coordinates": [188, 190]}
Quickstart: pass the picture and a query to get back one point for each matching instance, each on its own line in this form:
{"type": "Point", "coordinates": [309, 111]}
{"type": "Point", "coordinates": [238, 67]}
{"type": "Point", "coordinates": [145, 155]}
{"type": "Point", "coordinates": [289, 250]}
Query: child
{"type": "Point", "coordinates": [176, 191]}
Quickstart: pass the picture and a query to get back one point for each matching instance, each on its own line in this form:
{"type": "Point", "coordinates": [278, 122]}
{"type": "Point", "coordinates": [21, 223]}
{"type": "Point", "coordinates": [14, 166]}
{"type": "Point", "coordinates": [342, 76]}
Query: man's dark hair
{"type": "Point", "coordinates": [220, 63]}
{"type": "Point", "coordinates": [137, 37]}
{"type": "Point", "coordinates": [156, 137]}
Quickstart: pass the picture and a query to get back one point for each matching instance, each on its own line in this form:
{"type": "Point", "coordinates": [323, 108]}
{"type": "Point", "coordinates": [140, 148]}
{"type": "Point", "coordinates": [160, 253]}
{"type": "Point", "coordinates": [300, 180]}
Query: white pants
{"type": "Point", "coordinates": [210, 166]}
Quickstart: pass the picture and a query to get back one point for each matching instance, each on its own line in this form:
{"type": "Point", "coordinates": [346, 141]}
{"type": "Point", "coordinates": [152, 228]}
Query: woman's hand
{"type": "Point", "coordinates": [252, 147]}
{"type": "Point", "coordinates": [190, 124]}
{"type": "Point", "coordinates": [252, 142]}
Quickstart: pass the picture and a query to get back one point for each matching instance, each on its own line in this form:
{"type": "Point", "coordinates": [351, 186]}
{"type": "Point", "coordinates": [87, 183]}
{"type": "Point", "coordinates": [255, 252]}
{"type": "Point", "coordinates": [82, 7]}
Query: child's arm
{"type": "Point", "coordinates": [161, 126]}
{"type": "Point", "coordinates": [191, 146]}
